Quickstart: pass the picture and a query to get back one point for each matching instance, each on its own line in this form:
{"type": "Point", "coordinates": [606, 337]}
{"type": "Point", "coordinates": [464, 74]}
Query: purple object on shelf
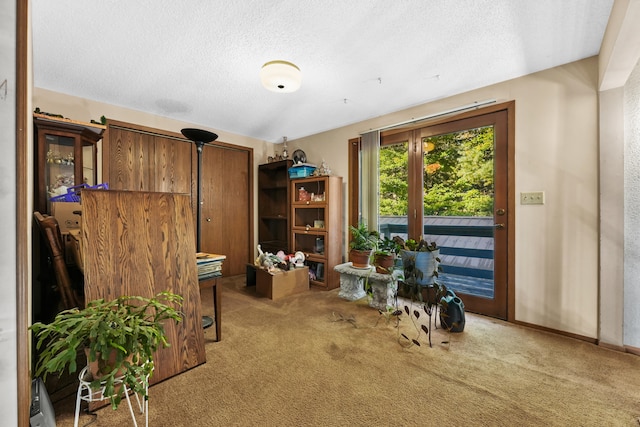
{"type": "Point", "coordinates": [73, 193]}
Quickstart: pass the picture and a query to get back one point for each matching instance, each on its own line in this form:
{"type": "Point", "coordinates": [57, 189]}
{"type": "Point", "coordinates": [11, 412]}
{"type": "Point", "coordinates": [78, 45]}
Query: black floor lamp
{"type": "Point", "coordinates": [200, 137]}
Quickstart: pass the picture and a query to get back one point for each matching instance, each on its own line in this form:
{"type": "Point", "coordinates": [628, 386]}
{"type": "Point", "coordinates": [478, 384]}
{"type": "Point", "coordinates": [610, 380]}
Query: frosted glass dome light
{"type": "Point", "coordinates": [280, 76]}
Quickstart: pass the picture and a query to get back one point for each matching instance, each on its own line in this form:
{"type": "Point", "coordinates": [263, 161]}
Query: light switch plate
{"type": "Point", "coordinates": [532, 198]}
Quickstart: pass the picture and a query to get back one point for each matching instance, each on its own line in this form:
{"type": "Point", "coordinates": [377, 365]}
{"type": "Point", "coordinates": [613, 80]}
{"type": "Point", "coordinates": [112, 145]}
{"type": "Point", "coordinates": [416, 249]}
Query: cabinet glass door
{"type": "Point", "coordinates": [88, 168]}
{"type": "Point", "coordinates": [60, 165]}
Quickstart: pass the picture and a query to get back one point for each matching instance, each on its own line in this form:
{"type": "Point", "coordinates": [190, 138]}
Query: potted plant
{"type": "Point", "coordinates": [420, 259]}
{"type": "Point", "coordinates": [362, 244]}
{"type": "Point", "coordinates": [384, 255]}
{"type": "Point", "coordinates": [421, 264]}
{"type": "Point", "coordinates": [119, 338]}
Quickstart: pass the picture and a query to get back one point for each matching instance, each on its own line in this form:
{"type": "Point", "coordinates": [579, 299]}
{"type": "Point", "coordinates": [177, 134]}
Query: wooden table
{"type": "Point", "coordinates": [217, 299]}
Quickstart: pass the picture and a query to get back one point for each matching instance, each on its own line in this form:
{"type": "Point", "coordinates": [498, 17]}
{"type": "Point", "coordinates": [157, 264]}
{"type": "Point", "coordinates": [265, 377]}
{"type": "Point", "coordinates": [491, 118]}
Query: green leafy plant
{"type": "Point", "coordinates": [384, 255]}
{"type": "Point", "coordinates": [387, 246]}
{"type": "Point", "coordinates": [362, 243]}
{"type": "Point", "coordinates": [411, 286]}
{"type": "Point", "coordinates": [363, 239]}
{"type": "Point", "coordinates": [416, 246]}
{"type": "Point", "coordinates": [127, 330]}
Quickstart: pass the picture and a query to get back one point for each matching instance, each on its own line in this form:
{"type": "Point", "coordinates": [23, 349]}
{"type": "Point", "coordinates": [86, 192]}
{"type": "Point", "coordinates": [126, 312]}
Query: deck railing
{"type": "Point", "coordinates": [390, 230]}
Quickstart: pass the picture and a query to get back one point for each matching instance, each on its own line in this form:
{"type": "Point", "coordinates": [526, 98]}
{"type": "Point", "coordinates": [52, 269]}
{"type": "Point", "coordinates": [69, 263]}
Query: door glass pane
{"type": "Point", "coordinates": [394, 183]}
{"type": "Point", "coordinates": [458, 207]}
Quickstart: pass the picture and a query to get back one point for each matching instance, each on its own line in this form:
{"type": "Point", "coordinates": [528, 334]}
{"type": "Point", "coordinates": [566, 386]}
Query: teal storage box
{"type": "Point", "coordinates": [301, 171]}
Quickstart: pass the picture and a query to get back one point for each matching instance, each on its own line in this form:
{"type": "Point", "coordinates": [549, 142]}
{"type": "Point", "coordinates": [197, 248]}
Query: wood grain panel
{"type": "Point", "coordinates": [172, 165]}
{"type": "Point", "coordinates": [130, 160]}
{"type": "Point", "coordinates": [226, 220]}
{"type": "Point", "coordinates": [141, 243]}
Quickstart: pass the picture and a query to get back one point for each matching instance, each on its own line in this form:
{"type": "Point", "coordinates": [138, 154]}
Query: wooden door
{"type": "Point", "coordinates": [473, 245]}
{"type": "Point", "coordinates": [227, 225]}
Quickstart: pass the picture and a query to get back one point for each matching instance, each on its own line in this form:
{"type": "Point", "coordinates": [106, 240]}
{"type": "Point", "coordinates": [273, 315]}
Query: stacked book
{"type": "Point", "coordinates": [209, 265]}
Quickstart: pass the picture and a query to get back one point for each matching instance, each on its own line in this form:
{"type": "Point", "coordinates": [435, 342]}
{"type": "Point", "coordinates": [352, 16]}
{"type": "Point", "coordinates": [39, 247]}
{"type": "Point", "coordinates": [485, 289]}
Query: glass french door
{"type": "Point", "coordinates": [447, 183]}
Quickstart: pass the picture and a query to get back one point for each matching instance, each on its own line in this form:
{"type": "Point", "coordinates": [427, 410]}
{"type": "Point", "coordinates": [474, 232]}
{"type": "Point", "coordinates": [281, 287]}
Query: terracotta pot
{"type": "Point", "coordinates": [99, 367]}
{"type": "Point", "coordinates": [359, 259]}
{"type": "Point", "coordinates": [383, 263]}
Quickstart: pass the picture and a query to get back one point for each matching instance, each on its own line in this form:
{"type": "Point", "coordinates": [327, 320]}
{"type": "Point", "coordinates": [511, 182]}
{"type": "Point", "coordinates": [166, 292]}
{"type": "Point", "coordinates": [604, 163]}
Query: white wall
{"type": "Point", "coordinates": [556, 151]}
{"type": "Point", "coordinates": [8, 343]}
{"type": "Point", "coordinates": [632, 209]}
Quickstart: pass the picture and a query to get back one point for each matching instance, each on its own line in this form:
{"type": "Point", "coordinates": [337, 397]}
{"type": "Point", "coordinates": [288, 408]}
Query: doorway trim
{"type": "Point", "coordinates": [23, 217]}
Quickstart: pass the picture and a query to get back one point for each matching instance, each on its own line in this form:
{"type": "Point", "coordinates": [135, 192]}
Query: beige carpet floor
{"type": "Point", "coordinates": [314, 359]}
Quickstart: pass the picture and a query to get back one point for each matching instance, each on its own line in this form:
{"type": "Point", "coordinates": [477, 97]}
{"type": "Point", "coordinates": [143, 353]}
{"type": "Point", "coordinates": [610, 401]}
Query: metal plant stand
{"type": "Point", "coordinates": [88, 394]}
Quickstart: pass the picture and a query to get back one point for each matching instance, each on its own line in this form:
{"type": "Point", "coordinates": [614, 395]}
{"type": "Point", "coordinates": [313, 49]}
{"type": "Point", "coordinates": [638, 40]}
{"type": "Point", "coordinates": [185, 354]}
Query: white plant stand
{"type": "Point", "coordinates": [88, 394]}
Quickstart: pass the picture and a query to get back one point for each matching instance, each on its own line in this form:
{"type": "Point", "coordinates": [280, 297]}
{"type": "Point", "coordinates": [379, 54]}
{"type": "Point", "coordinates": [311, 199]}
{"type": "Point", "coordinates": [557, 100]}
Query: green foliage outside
{"type": "Point", "coordinates": [458, 175]}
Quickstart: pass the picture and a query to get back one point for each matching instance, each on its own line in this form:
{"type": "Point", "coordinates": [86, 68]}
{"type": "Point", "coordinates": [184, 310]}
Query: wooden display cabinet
{"type": "Point", "coordinates": [274, 199]}
{"type": "Point", "coordinates": [316, 215]}
{"type": "Point", "coordinates": [65, 156]}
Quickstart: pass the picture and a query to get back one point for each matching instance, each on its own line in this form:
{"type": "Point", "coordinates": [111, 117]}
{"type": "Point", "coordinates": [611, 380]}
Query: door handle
{"type": "Point", "coordinates": [499, 226]}
{"type": "Point", "coordinates": [500, 212]}
{"type": "Point", "coordinates": [208, 219]}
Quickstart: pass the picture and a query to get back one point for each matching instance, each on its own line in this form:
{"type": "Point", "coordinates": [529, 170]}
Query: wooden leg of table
{"type": "Point", "coordinates": [217, 308]}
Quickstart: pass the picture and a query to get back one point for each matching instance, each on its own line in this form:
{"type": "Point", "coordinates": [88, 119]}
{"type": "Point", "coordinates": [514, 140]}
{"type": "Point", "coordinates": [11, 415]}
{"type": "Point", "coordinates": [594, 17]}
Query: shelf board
{"type": "Point", "coordinates": [91, 126]}
{"type": "Point", "coordinates": [274, 187]}
{"type": "Point", "coordinates": [273, 217]}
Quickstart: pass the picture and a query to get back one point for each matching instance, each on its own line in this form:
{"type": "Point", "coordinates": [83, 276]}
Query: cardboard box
{"type": "Point", "coordinates": [282, 283]}
{"type": "Point", "coordinates": [63, 211]}
{"type": "Point", "coordinates": [75, 248]}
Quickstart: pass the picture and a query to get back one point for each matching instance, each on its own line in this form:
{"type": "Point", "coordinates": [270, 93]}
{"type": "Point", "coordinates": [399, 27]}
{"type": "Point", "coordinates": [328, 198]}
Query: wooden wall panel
{"type": "Point", "coordinates": [144, 159]}
{"type": "Point", "coordinates": [173, 165]}
{"type": "Point", "coordinates": [130, 160]}
{"type": "Point", "coordinates": [141, 243]}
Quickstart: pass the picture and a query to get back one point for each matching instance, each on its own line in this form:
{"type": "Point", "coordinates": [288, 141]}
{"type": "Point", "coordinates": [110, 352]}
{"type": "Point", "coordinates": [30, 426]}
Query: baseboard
{"type": "Point", "coordinates": [632, 350]}
{"type": "Point", "coordinates": [557, 331]}
{"type": "Point", "coordinates": [620, 348]}
{"type": "Point", "coordinates": [611, 346]}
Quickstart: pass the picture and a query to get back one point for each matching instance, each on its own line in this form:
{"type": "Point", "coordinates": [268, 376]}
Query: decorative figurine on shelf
{"type": "Point", "coordinates": [270, 262]}
{"type": "Point", "coordinates": [285, 153]}
{"type": "Point", "coordinates": [303, 195]}
{"type": "Point", "coordinates": [322, 170]}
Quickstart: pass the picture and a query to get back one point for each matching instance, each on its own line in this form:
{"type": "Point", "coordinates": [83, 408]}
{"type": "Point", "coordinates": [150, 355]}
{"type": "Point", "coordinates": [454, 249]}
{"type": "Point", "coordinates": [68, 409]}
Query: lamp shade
{"type": "Point", "coordinates": [199, 135]}
{"type": "Point", "coordinates": [280, 76]}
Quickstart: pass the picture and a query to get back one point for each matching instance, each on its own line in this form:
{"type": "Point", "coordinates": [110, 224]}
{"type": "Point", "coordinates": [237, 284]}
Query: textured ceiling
{"type": "Point", "coordinates": [198, 61]}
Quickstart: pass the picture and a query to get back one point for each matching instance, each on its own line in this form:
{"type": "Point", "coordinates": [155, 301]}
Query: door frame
{"type": "Point", "coordinates": [403, 133]}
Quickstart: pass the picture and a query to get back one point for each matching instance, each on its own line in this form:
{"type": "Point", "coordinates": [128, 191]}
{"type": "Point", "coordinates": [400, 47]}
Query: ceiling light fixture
{"type": "Point", "coordinates": [280, 76]}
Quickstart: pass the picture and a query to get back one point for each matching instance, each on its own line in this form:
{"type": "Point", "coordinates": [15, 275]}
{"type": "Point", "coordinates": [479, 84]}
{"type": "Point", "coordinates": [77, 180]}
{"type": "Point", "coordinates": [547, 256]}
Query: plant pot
{"type": "Point", "coordinates": [425, 262]}
{"type": "Point", "coordinates": [383, 263]}
{"type": "Point", "coordinates": [360, 259]}
{"type": "Point", "coordinates": [98, 368]}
